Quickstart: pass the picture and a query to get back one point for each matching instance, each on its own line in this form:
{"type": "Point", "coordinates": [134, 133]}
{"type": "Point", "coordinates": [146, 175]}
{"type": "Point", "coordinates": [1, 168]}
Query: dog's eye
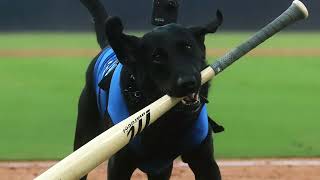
{"type": "Point", "coordinates": [158, 56]}
{"type": "Point", "coordinates": [183, 45]}
{"type": "Point", "coordinates": [188, 46]}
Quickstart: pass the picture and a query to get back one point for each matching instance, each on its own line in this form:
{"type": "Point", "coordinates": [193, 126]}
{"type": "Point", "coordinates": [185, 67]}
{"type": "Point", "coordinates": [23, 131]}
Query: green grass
{"type": "Point", "coordinates": [281, 40]}
{"type": "Point", "coordinates": [87, 40]}
{"type": "Point", "coordinates": [47, 40]}
{"type": "Point", "coordinates": [269, 106]}
{"type": "Point", "coordinates": [38, 106]}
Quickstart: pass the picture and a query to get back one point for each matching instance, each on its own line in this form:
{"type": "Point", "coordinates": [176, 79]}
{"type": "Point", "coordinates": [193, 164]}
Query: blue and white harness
{"type": "Point", "coordinates": [107, 63]}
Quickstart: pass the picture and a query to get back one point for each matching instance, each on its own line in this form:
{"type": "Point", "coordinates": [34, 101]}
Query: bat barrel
{"type": "Point", "coordinates": [102, 147]}
{"type": "Point", "coordinates": [295, 12]}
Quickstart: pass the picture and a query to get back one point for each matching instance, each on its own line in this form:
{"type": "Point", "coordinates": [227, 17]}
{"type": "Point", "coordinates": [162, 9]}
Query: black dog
{"type": "Point", "coordinates": [167, 60]}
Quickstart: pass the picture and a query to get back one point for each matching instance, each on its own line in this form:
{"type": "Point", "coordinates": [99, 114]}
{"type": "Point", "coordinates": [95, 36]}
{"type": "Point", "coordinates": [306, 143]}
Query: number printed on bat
{"type": "Point", "coordinates": [130, 129]}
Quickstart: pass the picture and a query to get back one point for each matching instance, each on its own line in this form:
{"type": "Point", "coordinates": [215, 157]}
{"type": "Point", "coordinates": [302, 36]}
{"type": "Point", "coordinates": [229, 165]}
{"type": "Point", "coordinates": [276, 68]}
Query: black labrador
{"type": "Point", "coordinates": [130, 73]}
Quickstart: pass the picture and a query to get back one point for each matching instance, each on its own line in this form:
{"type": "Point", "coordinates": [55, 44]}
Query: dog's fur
{"type": "Point", "coordinates": [167, 60]}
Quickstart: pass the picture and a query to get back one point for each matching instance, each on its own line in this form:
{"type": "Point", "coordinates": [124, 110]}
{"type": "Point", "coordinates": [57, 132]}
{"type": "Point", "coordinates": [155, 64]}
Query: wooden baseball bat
{"type": "Point", "coordinates": [101, 148]}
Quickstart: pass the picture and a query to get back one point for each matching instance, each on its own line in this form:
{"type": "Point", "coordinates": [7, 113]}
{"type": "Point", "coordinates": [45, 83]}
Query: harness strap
{"type": "Point", "coordinates": [106, 63]}
{"type": "Point", "coordinates": [117, 107]}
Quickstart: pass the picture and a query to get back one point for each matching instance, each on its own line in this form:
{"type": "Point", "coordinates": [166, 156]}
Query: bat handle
{"type": "Point", "coordinates": [295, 12]}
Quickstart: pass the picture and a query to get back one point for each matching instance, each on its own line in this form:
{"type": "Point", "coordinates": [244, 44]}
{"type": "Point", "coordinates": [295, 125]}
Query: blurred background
{"type": "Point", "coordinates": [268, 102]}
{"type": "Point", "coordinates": [69, 15]}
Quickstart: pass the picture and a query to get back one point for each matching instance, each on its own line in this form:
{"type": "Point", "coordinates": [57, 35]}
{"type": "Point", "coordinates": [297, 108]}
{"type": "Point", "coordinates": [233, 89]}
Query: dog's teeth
{"type": "Point", "coordinates": [183, 101]}
{"type": "Point", "coordinates": [197, 97]}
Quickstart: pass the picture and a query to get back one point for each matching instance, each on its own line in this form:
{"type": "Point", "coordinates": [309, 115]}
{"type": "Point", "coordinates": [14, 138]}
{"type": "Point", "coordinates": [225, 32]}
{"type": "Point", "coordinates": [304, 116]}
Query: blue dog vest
{"type": "Point", "coordinates": [106, 63]}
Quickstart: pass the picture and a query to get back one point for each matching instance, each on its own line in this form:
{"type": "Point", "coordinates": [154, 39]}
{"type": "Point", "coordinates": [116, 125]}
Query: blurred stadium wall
{"type": "Point", "coordinates": [69, 15]}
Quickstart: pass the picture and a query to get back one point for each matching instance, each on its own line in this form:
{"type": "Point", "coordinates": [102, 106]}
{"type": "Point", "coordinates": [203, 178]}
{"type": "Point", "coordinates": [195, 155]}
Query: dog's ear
{"type": "Point", "coordinates": [125, 46]}
{"type": "Point", "coordinates": [200, 31]}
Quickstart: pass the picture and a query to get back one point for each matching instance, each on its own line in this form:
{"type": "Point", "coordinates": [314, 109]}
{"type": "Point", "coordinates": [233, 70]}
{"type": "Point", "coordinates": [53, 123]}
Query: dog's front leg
{"type": "Point", "coordinates": [201, 160]}
{"type": "Point", "coordinates": [121, 165]}
{"type": "Point", "coordinates": [89, 123]}
{"type": "Point", "coordinates": [164, 174]}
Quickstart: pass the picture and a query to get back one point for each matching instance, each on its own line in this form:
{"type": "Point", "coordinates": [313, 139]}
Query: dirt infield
{"type": "Point", "coordinates": [264, 169]}
{"type": "Point", "coordinates": [279, 52]}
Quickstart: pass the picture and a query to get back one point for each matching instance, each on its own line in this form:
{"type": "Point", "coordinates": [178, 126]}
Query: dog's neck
{"type": "Point", "coordinates": [137, 90]}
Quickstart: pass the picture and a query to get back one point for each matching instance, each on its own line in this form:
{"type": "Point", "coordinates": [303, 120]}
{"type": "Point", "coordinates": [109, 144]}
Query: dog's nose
{"type": "Point", "coordinates": [188, 83]}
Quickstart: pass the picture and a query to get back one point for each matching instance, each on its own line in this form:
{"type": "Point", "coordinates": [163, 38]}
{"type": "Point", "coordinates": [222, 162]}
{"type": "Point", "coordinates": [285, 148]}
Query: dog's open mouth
{"type": "Point", "coordinates": [190, 103]}
{"type": "Point", "coordinates": [191, 99]}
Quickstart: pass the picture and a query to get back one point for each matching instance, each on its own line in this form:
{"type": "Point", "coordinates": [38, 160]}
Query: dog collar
{"type": "Point", "coordinates": [131, 91]}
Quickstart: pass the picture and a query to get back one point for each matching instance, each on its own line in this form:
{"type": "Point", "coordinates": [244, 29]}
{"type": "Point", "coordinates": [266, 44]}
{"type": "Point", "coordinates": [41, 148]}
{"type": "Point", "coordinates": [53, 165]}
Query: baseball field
{"type": "Point", "coordinates": [268, 102]}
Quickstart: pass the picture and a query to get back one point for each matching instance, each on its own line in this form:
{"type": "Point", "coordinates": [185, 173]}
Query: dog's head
{"type": "Point", "coordinates": [169, 58]}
